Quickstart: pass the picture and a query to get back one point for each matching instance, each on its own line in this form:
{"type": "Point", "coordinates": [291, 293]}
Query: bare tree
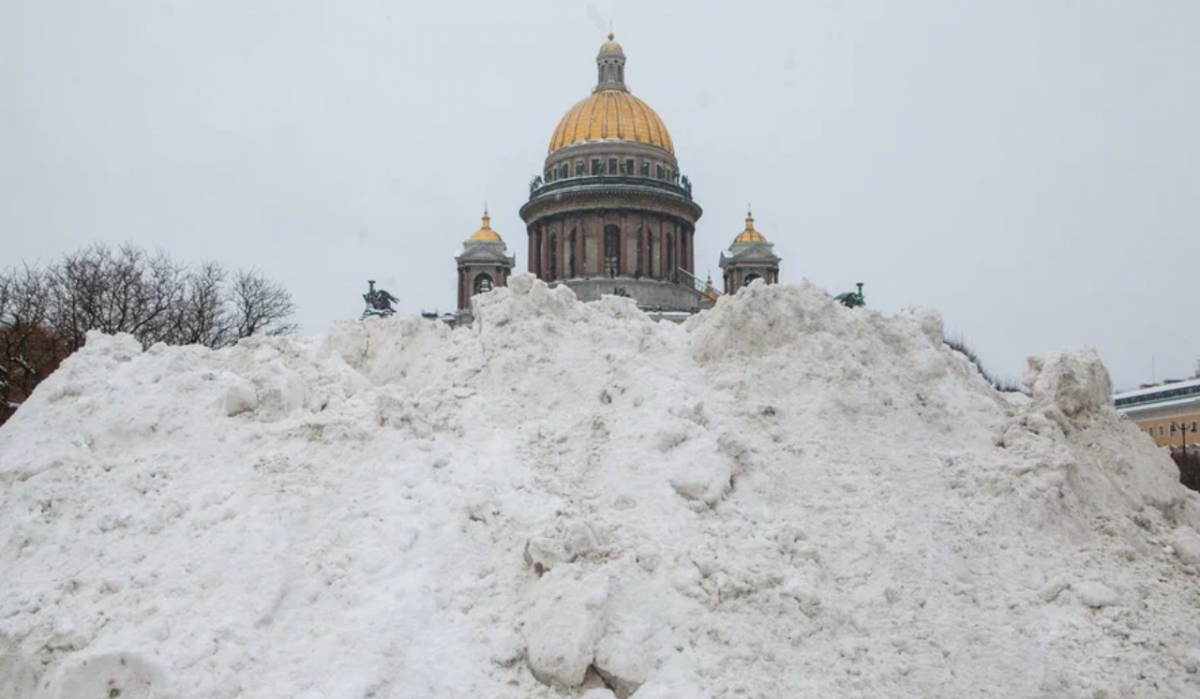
{"type": "Point", "coordinates": [114, 291]}
{"type": "Point", "coordinates": [260, 305]}
{"type": "Point", "coordinates": [46, 314]}
{"type": "Point", "coordinates": [202, 315]}
{"type": "Point", "coordinates": [29, 350]}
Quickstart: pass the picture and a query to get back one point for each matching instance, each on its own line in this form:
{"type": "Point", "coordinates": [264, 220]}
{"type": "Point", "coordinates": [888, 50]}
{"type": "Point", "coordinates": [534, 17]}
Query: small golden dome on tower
{"type": "Point", "coordinates": [611, 46]}
{"type": "Point", "coordinates": [749, 235]}
{"type": "Point", "coordinates": [485, 233]}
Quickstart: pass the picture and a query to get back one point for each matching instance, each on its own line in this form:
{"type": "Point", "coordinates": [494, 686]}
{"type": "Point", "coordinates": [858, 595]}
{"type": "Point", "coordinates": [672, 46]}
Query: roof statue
{"type": "Point", "coordinates": [379, 302]}
{"type": "Point", "coordinates": [852, 299]}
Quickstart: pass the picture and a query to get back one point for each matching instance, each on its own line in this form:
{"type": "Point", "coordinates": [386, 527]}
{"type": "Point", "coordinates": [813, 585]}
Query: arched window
{"type": "Point", "coordinates": [484, 283]}
{"type": "Point", "coordinates": [749, 278]}
{"type": "Point", "coordinates": [612, 250]}
{"type": "Point", "coordinates": [670, 261]}
{"type": "Point", "coordinates": [553, 256]}
{"type": "Point", "coordinates": [650, 252]}
{"type": "Point", "coordinates": [571, 243]}
{"type": "Point", "coordinates": [640, 240]}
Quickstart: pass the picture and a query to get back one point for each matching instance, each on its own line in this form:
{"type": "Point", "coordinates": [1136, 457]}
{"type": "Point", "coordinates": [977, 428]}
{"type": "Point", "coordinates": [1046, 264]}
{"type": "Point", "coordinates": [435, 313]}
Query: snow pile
{"type": "Point", "coordinates": [780, 498]}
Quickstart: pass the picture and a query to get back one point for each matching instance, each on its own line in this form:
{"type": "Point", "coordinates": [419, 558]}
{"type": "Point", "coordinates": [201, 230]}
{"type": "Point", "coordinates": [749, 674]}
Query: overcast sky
{"type": "Point", "coordinates": [1029, 168]}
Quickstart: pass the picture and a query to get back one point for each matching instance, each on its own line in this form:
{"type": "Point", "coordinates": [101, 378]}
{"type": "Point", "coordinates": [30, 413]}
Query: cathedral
{"type": "Point", "coordinates": [612, 214]}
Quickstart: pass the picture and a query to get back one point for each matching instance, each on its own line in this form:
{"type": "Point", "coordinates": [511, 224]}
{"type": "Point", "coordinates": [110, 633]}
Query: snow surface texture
{"type": "Point", "coordinates": [780, 498]}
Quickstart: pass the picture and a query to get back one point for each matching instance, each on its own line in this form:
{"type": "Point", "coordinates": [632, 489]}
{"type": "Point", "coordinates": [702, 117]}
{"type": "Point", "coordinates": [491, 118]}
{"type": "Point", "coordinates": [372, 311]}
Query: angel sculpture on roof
{"type": "Point", "coordinates": [379, 302]}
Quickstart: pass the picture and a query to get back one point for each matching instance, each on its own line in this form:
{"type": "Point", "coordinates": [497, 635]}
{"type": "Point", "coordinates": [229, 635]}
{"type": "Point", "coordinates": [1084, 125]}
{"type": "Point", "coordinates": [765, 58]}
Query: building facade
{"type": "Point", "coordinates": [1169, 413]}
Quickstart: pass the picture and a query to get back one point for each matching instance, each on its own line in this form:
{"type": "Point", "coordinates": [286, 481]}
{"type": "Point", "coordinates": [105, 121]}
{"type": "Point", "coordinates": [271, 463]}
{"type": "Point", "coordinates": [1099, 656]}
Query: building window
{"type": "Point", "coordinates": [629, 167]}
{"type": "Point", "coordinates": [597, 167]}
{"type": "Point", "coordinates": [571, 243]}
{"type": "Point", "coordinates": [669, 263]}
{"type": "Point", "coordinates": [645, 168]}
{"type": "Point", "coordinates": [612, 250]}
{"type": "Point", "coordinates": [658, 171]}
{"type": "Point", "coordinates": [484, 283]}
{"type": "Point", "coordinates": [612, 166]}
{"type": "Point", "coordinates": [578, 168]}
{"type": "Point", "coordinates": [1161, 431]}
{"type": "Point", "coordinates": [640, 240]}
{"type": "Point", "coordinates": [547, 177]}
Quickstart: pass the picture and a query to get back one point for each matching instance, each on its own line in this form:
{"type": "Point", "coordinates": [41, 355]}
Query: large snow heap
{"type": "Point", "coordinates": [781, 497]}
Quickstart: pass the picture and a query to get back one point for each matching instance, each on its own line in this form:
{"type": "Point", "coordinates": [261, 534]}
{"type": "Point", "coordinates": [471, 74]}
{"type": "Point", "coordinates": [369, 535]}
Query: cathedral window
{"type": "Point", "coordinates": [658, 171]}
{"type": "Point", "coordinates": [670, 261]}
{"type": "Point", "coordinates": [640, 245]}
{"type": "Point", "coordinates": [645, 168]}
{"type": "Point", "coordinates": [612, 250]}
{"type": "Point", "coordinates": [484, 283]}
{"type": "Point", "coordinates": [571, 243]}
{"type": "Point", "coordinates": [578, 168]}
{"type": "Point", "coordinates": [612, 166]}
{"type": "Point", "coordinates": [597, 167]}
{"type": "Point", "coordinates": [537, 254]}
{"type": "Point", "coordinates": [629, 166]}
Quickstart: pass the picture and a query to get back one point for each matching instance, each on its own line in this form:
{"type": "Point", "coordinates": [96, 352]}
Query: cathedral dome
{"type": "Point", "coordinates": [611, 113]}
{"type": "Point", "coordinates": [485, 234]}
{"type": "Point", "coordinates": [749, 235]}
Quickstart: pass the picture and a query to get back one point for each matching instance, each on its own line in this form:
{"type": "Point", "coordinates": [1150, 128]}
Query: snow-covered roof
{"type": "Point", "coordinates": [1159, 404]}
{"type": "Point", "coordinates": [1151, 390]}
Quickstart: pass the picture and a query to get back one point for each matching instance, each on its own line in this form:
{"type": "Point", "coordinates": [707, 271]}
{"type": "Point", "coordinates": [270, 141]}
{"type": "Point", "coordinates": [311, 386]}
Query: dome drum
{"type": "Point", "coordinates": [610, 162]}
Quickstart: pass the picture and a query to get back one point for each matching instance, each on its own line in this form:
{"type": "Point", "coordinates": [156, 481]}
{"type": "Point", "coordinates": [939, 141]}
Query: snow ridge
{"type": "Point", "coordinates": [780, 498]}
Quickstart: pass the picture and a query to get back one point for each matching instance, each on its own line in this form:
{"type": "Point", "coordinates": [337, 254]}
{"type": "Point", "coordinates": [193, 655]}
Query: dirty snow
{"type": "Point", "coordinates": [780, 498]}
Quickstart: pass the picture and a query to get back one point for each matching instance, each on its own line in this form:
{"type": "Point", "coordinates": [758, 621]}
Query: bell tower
{"type": "Point", "coordinates": [484, 263]}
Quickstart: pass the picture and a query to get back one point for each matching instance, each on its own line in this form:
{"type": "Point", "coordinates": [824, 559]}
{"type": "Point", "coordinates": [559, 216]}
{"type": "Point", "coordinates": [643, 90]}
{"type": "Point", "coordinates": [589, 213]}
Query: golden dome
{"type": "Point", "coordinates": [611, 114]}
{"type": "Point", "coordinates": [611, 46]}
{"type": "Point", "coordinates": [485, 233]}
{"type": "Point", "coordinates": [749, 235]}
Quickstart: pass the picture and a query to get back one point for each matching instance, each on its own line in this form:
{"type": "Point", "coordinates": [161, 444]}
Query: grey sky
{"type": "Point", "coordinates": [1029, 168]}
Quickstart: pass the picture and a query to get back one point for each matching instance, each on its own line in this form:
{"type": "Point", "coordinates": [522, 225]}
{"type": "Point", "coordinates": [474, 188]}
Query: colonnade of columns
{"type": "Point", "coordinates": [665, 244]}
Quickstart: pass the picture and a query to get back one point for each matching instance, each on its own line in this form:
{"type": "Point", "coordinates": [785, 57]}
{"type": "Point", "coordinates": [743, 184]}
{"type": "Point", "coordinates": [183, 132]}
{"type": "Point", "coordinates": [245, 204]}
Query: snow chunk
{"type": "Point", "coordinates": [564, 543]}
{"type": "Point", "coordinates": [1096, 594]}
{"type": "Point", "coordinates": [1074, 380]}
{"type": "Point", "coordinates": [1186, 542]}
{"type": "Point", "coordinates": [564, 625]}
